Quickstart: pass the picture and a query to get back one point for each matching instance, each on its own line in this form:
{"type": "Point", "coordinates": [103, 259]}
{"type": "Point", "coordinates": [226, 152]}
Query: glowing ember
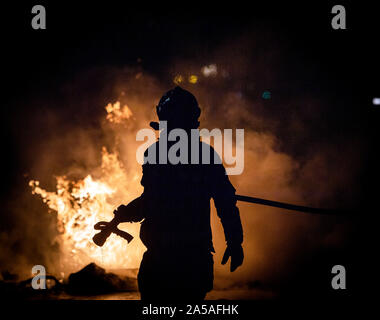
{"type": "Point", "coordinates": [117, 114]}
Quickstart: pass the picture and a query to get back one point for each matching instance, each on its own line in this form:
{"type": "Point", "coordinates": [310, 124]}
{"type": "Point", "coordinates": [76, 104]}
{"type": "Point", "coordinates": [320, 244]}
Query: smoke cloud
{"type": "Point", "coordinates": [291, 155]}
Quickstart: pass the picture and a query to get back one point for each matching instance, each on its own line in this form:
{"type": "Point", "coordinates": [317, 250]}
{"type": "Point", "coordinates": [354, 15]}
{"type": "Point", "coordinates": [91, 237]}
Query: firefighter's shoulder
{"type": "Point", "coordinates": [208, 154]}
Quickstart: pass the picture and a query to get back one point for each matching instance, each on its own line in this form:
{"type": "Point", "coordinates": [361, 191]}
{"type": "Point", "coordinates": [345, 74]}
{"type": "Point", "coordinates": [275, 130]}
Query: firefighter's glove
{"type": "Point", "coordinates": [237, 256]}
{"type": "Point", "coordinates": [129, 213]}
{"type": "Point", "coordinates": [121, 213]}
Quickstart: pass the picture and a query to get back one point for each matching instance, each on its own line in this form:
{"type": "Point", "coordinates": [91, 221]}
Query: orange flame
{"type": "Point", "coordinates": [81, 204]}
{"type": "Point", "coordinates": [117, 114]}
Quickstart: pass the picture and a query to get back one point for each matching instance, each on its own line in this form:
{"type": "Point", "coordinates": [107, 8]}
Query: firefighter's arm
{"type": "Point", "coordinates": [135, 210]}
{"type": "Point", "coordinates": [228, 212]}
{"type": "Point", "coordinates": [132, 212]}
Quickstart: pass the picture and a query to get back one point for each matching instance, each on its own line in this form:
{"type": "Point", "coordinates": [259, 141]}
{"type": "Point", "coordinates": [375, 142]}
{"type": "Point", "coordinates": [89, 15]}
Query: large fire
{"type": "Point", "coordinates": [81, 204]}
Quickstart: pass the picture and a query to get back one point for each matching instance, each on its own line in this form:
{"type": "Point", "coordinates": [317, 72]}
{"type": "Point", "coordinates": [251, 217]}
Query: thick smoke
{"type": "Point", "coordinates": [289, 156]}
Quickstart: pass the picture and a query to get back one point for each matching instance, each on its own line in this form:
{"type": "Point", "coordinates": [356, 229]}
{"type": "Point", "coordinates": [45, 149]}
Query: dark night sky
{"type": "Point", "coordinates": [35, 64]}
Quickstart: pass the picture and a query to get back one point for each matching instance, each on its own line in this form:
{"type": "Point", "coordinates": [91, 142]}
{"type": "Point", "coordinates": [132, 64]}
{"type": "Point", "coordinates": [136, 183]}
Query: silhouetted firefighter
{"type": "Point", "coordinates": [175, 213]}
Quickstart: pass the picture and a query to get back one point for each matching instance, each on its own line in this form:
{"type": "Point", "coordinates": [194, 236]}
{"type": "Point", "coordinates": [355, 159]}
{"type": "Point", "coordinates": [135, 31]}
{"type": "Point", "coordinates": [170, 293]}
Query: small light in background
{"type": "Point", "coordinates": [210, 70]}
{"type": "Point", "coordinates": [193, 79]}
{"type": "Point", "coordinates": [266, 95]}
{"type": "Point", "coordinates": [376, 101]}
{"type": "Point", "coordinates": [178, 79]}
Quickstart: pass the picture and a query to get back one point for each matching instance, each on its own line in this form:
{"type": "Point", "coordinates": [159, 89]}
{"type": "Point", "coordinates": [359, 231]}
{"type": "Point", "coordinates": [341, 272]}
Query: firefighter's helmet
{"type": "Point", "coordinates": [179, 108]}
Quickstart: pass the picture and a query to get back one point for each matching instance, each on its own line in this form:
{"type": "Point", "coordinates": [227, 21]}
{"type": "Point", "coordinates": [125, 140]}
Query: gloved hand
{"type": "Point", "coordinates": [237, 256]}
{"type": "Point", "coordinates": [131, 212]}
{"type": "Point", "coordinates": [120, 212]}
